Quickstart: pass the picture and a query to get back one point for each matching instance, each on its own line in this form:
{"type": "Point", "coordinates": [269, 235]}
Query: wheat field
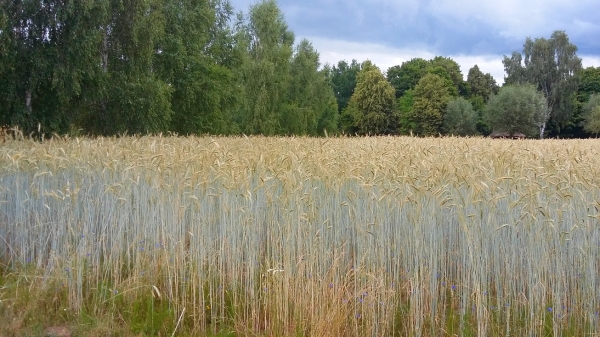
{"type": "Point", "coordinates": [257, 236]}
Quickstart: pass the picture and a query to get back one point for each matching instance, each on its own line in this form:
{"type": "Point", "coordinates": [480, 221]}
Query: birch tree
{"type": "Point", "coordinates": [266, 70]}
{"type": "Point", "coordinates": [552, 66]}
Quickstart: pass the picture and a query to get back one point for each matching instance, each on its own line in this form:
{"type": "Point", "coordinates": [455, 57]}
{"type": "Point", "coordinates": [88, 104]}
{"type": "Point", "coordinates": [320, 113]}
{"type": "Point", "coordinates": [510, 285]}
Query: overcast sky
{"type": "Point", "coordinates": [389, 32]}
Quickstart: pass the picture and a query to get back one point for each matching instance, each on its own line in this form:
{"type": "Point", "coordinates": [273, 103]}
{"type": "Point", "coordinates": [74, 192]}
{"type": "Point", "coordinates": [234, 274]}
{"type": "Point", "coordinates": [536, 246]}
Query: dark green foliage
{"type": "Point", "coordinates": [430, 98]}
{"type": "Point", "coordinates": [198, 60]}
{"type": "Point", "coordinates": [518, 108]}
{"type": "Point", "coordinates": [591, 114]}
{"type": "Point", "coordinates": [589, 84]}
{"type": "Point", "coordinates": [592, 121]}
{"type": "Point", "coordinates": [348, 119]}
{"type": "Point", "coordinates": [109, 67]}
{"type": "Point", "coordinates": [311, 106]}
{"type": "Point", "coordinates": [460, 118]}
{"type": "Point", "coordinates": [482, 88]}
{"type": "Point", "coordinates": [453, 70]}
{"type": "Point", "coordinates": [407, 75]}
{"type": "Point", "coordinates": [144, 104]}
{"type": "Point", "coordinates": [329, 121]}
{"type": "Point", "coordinates": [404, 106]}
{"type": "Point", "coordinates": [129, 96]}
{"type": "Point", "coordinates": [373, 103]}
{"type": "Point", "coordinates": [343, 81]}
{"type": "Point", "coordinates": [481, 84]}
{"type": "Point", "coordinates": [266, 70]}
{"type": "Point", "coordinates": [464, 89]}
{"type": "Point", "coordinates": [478, 105]}
{"type": "Point", "coordinates": [443, 74]}
{"type": "Point", "coordinates": [45, 61]}
{"type": "Point", "coordinates": [329, 111]}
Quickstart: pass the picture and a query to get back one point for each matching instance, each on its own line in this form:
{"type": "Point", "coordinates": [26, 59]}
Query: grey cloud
{"type": "Point", "coordinates": [450, 30]}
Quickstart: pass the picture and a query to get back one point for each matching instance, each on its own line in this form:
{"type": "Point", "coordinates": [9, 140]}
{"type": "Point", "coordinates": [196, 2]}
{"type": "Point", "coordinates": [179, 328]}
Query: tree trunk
{"type": "Point", "coordinates": [101, 126]}
{"type": "Point", "coordinates": [542, 129]}
{"type": "Point", "coordinates": [105, 51]}
{"type": "Point", "coordinates": [28, 101]}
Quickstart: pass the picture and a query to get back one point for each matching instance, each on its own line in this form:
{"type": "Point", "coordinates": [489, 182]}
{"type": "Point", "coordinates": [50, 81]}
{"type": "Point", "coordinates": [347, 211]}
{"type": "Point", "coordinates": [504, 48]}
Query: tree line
{"type": "Point", "coordinates": [546, 93]}
{"type": "Point", "coordinates": [108, 67]}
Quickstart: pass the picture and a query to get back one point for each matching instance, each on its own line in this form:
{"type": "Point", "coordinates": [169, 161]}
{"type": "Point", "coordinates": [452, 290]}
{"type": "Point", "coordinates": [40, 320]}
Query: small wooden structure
{"type": "Point", "coordinates": [506, 135]}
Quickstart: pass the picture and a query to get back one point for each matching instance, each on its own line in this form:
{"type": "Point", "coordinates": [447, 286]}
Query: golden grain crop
{"type": "Point", "coordinates": [318, 236]}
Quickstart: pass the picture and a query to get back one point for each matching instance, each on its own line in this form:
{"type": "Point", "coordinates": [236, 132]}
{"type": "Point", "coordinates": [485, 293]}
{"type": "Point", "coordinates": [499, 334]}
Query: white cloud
{"type": "Point", "coordinates": [590, 60]}
{"type": "Point", "coordinates": [515, 18]}
{"type": "Point", "coordinates": [487, 64]}
{"type": "Point", "coordinates": [332, 51]}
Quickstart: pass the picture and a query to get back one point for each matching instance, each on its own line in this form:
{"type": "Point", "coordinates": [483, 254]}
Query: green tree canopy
{"type": "Point", "coordinates": [591, 118]}
{"type": "Point", "coordinates": [452, 69]}
{"type": "Point", "coordinates": [518, 108]}
{"type": "Point", "coordinates": [481, 84]}
{"type": "Point", "coordinates": [311, 100]}
{"type": "Point", "coordinates": [552, 66]}
{"type": "Point", "coordinates": [135, 99]}
{"type": "Point", "coordinates": [329, 113]}
{"type": "Point", "coordinates": [478, 105]}
{"type": "Point", "coordinates": [115, 66]}
{"type": "Point", "coordinates": [48, 59]}
{"type": "Point", "coordinates": [589, 84]}
{"type": "Point", "coordinates": [373, 103]}
{"type": "Point", "coordinates": [460, 118]}
{"type": "Point", "coordinates": [593, 121]}
{"type": "Point", "coordinates": [343, 81]}
{"type": "Point", "coordinates": [301, 115]}
{"type": "Point", "coordinates": [431, 95]}
{"type": "Point", "coordinates": [404, 106]}
{"type": "Point", "coordinates": [443, 74]}
{"type": "Point", "coordinates": [145, 66]}
{"type": "Point", "coordinates": [407, 75]}
{"type": "Point", "coordinates": [266, 71]}
{"type": "Point", "coordinates": [199, 60]}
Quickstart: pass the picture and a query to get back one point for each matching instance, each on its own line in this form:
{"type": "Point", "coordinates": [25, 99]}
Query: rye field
{"type": "Point", "coordinates": [256, 236]}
